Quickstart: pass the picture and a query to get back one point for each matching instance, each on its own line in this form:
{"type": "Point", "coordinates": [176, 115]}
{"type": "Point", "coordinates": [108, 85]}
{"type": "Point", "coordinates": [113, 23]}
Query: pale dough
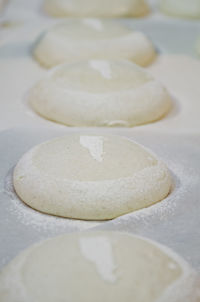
{"type": "Point", "coordinates": [98, 266]}
{"type": "Point", "coordinates": [90, 177]}
{"type": "Point", "coordinates": [81, 39]}
{"type": "Point", "coordinates": [181, 8]}
{"type": "Point", "coordinates": [96, 8]}
{"type": "Point", "coordinates": [100, 93]}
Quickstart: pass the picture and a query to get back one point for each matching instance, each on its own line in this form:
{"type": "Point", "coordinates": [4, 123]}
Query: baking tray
{"type": "Point", "coordinates": [175, 221]}
{"type": "Point", "coordinates": [20, 71]}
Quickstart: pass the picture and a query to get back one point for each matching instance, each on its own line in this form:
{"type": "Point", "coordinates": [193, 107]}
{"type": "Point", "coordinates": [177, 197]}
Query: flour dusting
{"type": "Point", "coordinates": [40, 221]}
{"type": "Point", "coordinates": [99, 251]}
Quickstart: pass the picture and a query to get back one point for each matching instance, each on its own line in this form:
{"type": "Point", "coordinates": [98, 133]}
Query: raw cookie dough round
{"type": "Point", "coordinates": [100, 93]}
{"type": "Point", "coordinates": [81, 39]}
{"type": "Point", "coordinates": [96, 8]}
{"type": "Point", "coordinates": [181, 8]}
{"type": "Point", "coordinates": [98, 266]}
{"type": "Point", "coordinates": [90, 177]}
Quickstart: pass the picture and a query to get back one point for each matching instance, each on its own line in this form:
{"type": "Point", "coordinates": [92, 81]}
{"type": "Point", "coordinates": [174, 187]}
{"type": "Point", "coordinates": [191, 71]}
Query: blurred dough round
{"type": "Point", "coordinates": [100, 93]}
{"type": "Point", "coordinates": [96, 8]}
{"type": "Point", "coordinates": [81, 39]}
{"type": "Point", "coordinates": [181, 8]}
{"type": "Point", "coordinates": [90, 177]}
{"type": "Point", "coordinates": [98, 266]}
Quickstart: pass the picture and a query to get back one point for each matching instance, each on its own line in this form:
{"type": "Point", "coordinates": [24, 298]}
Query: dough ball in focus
{"type": "Point", "coordinates": [90, 177]}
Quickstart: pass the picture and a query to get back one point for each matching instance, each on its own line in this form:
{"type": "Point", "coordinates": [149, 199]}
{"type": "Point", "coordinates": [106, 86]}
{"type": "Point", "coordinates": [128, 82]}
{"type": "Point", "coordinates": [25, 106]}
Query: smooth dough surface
{"type": "Point", "coordinates": [96, 8]}
{"type": "Point", "coordinates": [100, 93]}
{"type": "Point", "coordinates": [80, 39]}
{"type": "Point", "coordinates": [98, 266]}
{"type": "Point", "coordinates": [181, 8]}
{"type": "Point", "coordinates": [90, 177]}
